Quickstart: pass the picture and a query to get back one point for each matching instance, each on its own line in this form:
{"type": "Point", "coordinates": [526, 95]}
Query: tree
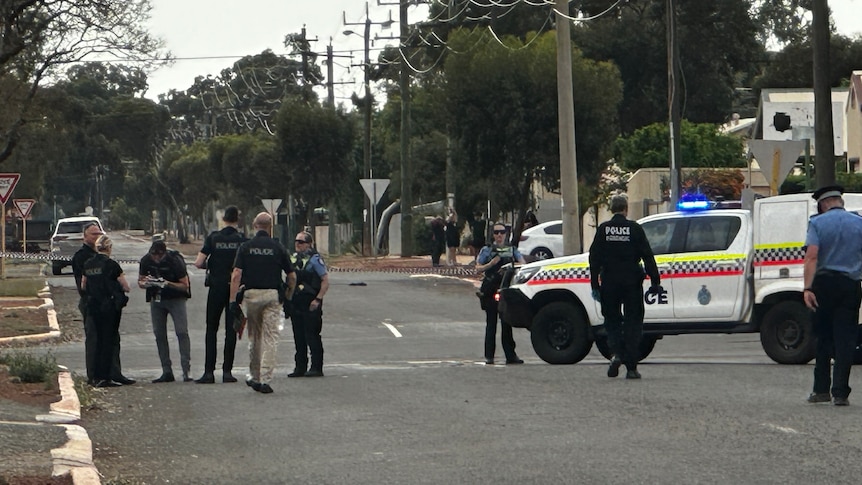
{"type": "Point", "coordinates": [793, 65]}
{"type": "Point", "coordinates": [40, 36]}
{"type": "Point", "coordinates": [701, 146]}
{"type": "Point", "coordinates": [502, 105]}
{"type": "Point", "coordinates": [719, 46]}
{"type": "Point", "coordinates": [315, 144]}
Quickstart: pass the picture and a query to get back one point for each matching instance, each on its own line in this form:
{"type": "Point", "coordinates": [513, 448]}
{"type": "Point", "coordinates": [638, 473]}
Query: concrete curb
{"type": "Point", "coordinates": [76, 456]}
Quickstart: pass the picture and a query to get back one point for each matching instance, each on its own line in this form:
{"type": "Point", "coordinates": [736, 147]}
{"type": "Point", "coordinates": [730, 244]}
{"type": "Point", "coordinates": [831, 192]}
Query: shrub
{"type": "Point", "coordinates": [31, 368]}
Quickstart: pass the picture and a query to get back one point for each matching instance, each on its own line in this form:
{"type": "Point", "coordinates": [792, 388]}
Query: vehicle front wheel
{"type": "Point", "coordinates": [644, 349]}
{"type": "Point", "coordinates": [56, 268]}
{"type": "Point", "coordinates": [541, 253]}
{"type": "Point", "coordinates": [786, 333]}
{"type": "Point", "coordinates": [560, 335]}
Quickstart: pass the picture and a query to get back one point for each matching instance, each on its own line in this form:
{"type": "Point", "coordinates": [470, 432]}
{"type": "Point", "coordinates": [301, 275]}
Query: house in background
{"type": "Point", "coordinates": [853, 116]}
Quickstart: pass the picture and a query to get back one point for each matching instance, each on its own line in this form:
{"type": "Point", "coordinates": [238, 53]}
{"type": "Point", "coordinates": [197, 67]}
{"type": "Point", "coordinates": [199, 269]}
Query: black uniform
{"type": "Point", "coordinates": [103, 314]}
{"type": "Point", "coordinates": [81, 256]}
{"type": "Point", "coordinates": [618, 248]}
{"type": "Point", "coordinates": [307, 324]}
{"type": "Point", "coordinates": [220, 248]}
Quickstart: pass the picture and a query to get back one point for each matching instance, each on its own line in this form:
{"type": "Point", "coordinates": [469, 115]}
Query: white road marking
{"type": "Point", "coordinates": [783, 429]}
{"type": "Point", "coordinates": [393, 330]}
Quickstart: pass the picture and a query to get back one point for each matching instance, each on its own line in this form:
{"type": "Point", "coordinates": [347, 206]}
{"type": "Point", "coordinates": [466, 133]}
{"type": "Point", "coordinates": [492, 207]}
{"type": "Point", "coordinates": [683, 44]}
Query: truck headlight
{"type": "Point", "coordinates": [524, 274]}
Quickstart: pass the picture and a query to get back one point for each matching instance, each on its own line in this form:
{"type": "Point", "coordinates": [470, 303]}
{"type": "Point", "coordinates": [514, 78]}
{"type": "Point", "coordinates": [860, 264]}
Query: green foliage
{"type": "Point", "coordinates": [718, 46]}
{"type": "Point", "coordinates": [793, 66]}
{"type": "Point", "coordinates": [421, 236]}
{"type": "Point", "coordinates": [502, 104]}
{"type": "Point", "coordinates": [30, 368]}
{"type": "Point", "coordinates": [794, 184]}
{"type": "Point", "coordinates": [701, 145]}
{"type": "Point", "coordinates": [314, 145]}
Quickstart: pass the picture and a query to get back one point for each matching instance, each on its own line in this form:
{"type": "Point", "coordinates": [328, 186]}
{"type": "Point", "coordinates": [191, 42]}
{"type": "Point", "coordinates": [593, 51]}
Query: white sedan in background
{"type": "Point", "coordinates": [544, 241]}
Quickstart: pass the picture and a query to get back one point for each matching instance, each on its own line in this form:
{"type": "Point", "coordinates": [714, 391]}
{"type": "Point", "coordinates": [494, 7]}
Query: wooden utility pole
{"type": "Point", "coordinates": [673, 96]}
{"type": "Point", "coordinates": [566, 121]}
{"type": "Point", "coordinates": [406, 162]}
{"type": "Point", "coordinates": [824, 141]}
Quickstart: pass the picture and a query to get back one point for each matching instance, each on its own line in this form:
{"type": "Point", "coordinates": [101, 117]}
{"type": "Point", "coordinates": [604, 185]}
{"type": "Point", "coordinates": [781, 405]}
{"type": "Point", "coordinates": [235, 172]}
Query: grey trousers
{"type": "Point", "coordinates": [159, 311]}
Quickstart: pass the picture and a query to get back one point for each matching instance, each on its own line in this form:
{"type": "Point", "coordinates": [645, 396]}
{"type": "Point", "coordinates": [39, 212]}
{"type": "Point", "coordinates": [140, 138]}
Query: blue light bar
{"type": "Point", "coordinates": [692, 202]}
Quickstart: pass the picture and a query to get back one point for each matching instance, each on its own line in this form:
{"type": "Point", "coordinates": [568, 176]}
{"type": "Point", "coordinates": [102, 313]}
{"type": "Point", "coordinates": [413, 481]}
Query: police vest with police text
{"type": "Point", "coordinates": [223, 247]}
{"type": "Point", "coordinates": [308, 282]}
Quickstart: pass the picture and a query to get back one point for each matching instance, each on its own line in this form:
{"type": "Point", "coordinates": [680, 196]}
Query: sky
{"type": "Point", "coordinates": [222, 31]}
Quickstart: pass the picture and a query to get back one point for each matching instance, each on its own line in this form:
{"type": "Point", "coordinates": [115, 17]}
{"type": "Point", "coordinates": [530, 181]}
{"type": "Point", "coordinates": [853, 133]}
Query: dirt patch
{"type": "Point", "coordinates": [36, 394]}
{"type": "Point", "coordinates": [23, 317]}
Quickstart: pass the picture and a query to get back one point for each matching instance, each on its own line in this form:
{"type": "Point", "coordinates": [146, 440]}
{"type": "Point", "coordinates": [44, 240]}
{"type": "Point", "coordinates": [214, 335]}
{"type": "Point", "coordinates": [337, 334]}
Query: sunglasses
{"type": "Point", "coordinates": [300, 241]}
{"type": "Point", "coordinates": [499, 232]}
{"type": "Point", "coordinates": [157, 254]}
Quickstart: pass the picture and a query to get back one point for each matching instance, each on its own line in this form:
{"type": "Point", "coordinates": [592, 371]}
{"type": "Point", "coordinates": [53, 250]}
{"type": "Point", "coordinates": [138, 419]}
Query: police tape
{"type": "Point", "coordinates": [442, 271]}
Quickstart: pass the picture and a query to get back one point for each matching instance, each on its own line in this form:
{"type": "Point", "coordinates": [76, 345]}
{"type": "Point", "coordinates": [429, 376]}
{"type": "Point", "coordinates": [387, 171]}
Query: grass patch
{"type": "Point", "coordinates": [84, 391]}
{"type": "Point", "coordinates": [30, 368]}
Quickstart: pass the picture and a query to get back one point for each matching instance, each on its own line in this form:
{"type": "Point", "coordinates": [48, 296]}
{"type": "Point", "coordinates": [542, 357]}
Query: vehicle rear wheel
{"type": "Point", "coordinates": [786, 333]}
{"type": "Point", "coordinates": [541, 253]}
{"type": "Point", "coordinates": [646, 347]}
{"type": "Point", "coordinates": [560, 335]}
{"type": "Point", "coordinates": [56, 268]}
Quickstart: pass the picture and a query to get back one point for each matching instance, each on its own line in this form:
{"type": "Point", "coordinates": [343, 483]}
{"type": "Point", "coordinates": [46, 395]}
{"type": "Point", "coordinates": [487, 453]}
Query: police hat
{"type": "Point", "coordinates": [231, 214]}
{"type": "Point", "coordinates": [826, 192]}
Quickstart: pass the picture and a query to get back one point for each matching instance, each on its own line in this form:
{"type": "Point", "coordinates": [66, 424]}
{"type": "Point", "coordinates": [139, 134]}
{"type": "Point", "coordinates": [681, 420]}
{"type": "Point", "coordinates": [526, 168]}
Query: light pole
{"type": "Point", "coordinates": [366, 146]}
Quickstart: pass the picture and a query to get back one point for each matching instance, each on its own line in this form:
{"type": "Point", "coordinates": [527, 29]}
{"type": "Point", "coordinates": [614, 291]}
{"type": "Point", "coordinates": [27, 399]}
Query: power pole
{"type": "Point", "coordinates": [673, 103]}
{"type": "Point", "coordinates": [406, 162]}
{"type": "Point", "coordinates": [367, 172]}
{"type": "Point", "coordinates": [566, 123]}
{"type": "Point", "coordinates": [824, 141]}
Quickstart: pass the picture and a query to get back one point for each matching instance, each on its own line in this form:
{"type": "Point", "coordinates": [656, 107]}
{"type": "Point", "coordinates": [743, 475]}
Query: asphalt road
{"type": "Point", "coordinates": [406, 399]}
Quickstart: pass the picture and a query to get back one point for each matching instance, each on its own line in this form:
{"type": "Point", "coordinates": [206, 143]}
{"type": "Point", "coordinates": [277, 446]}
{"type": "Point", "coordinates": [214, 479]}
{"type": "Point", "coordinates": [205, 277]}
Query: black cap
{"type": "Point", "coordinates": [826, 192]}
{"type": "Point", "coordinates": [231, 214]}
{"type": "Point", "coordinates": [158, 247]}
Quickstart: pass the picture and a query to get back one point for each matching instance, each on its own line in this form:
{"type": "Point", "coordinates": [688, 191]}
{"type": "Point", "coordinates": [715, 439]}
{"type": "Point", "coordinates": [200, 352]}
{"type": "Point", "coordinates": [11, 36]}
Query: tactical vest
{"type": "Point", "coordinates": [262, 260]}
{"type": "Point", "coordinates": [308, 282]}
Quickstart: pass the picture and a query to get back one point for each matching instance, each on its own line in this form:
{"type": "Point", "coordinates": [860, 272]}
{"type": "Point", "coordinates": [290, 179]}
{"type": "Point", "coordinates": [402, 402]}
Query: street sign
{"type": "Point", "coordinates": [374, 188]}
{"type": "Point", "coordinates": [271, 205]}
{"type": "Point", "coordinates": [8, 181]}
{"type": "Point", "coordinates": [24, 206]}
{"type": "Point", "coordinates": [776, 158]}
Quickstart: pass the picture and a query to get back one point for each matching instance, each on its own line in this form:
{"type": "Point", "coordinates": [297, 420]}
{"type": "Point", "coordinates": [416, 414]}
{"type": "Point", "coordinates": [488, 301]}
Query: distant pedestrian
{"type": "Point", "coordinates": [453, 239]}
{"type": "Point", "coordinates": [438, 240]}
{"type": "Point", "coordinates": [617, 279]}
{"type": "Point", "coordinates": [490, 261]}
{"type": "Point", "coordinates": [217, 256]}
{"type": "Point", "coordinates": [832, 274]}
{"type": "Point", "coordinates": [105, 285]}
{"type": "Point", "coordinates": [163, 274]}
{"type": "Point", "coordinates": [257, 269]}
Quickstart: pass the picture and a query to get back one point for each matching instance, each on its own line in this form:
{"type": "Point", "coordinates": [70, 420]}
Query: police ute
{"type": "Point", "coordinates": [722, 271]}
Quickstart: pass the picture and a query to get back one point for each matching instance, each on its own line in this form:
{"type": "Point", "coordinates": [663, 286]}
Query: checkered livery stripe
{"type": "Point", "coordinates": [726, 265]}
{"type": "Point", "coordinates": [775, 254]}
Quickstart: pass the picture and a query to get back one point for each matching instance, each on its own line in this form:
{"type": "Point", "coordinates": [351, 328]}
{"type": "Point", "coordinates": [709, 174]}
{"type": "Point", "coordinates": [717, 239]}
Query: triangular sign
{"type": "Point", "coordinates": [24, 206]}
{"type": "Point", "coordinates": [374, 188]}
{"type": "Point", "coordinates": [776, 158]}
{"type": "Point", "coordinates": [8, 181]}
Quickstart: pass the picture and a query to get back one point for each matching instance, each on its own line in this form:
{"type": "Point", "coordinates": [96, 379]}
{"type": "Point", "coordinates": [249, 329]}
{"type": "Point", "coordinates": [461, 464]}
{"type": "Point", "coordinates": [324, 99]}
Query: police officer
{"type": "Point", "coordinates": [490, 261]}
{"type": "Point", "coordinates": [91, 232]}
{"type": "Point", "coordinates": [257, 268]}
{"type": "Point", "coordinates": [617, 282]}
{"type": "Point", "coordinates": [163, 274]}
{"type": "Point", "coordinates": [306, 310]}
{"type": "Point", "coordinates": [216, 256]}
{"type": "Point", "coordinates": [832, 274]}
{"type": "Point", "coordinates": [101, 280]}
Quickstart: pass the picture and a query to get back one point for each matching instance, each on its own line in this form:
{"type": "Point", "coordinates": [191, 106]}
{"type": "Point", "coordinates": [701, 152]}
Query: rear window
{"type": "Point", "coordinates": [711, 233]}
{"type": "Point", "coordinates": [554, 229]}
{"type": "Point", "coordinates": [72, 227]}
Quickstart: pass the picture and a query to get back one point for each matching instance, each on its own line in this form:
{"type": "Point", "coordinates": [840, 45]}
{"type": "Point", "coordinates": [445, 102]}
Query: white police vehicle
{"type": "Point", "coordinates": [723, 271]}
